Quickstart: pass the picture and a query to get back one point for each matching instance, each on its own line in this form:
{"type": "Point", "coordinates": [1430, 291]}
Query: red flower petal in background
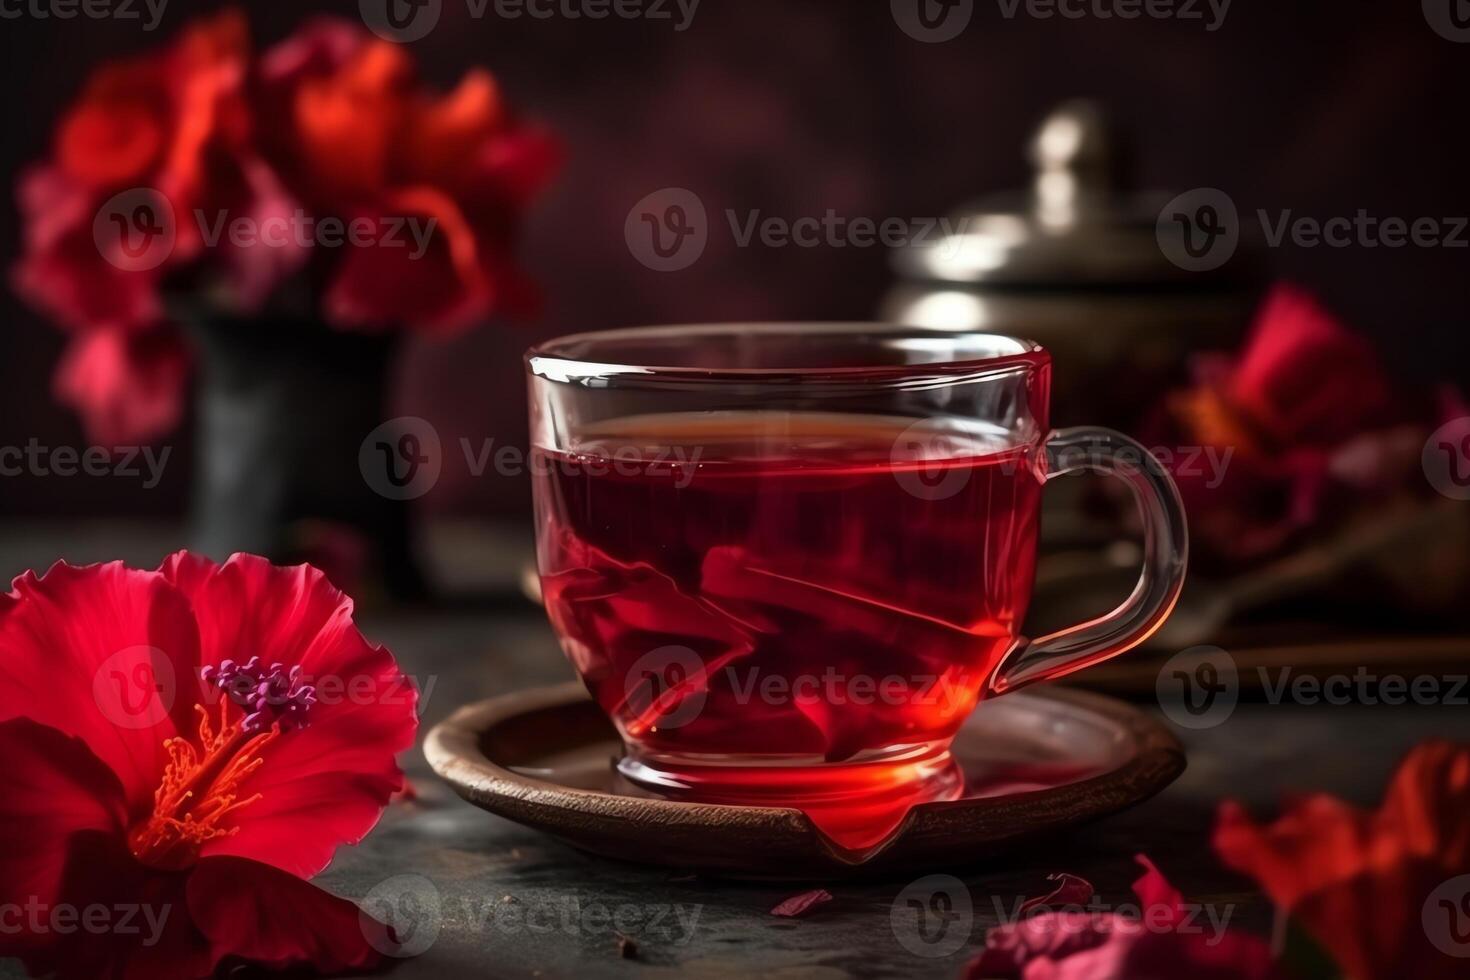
{"type": "Point", "coordinates": [209, 782]}
{"type": "Point", "coordinates": [346, 123]}
{"type": "Point", "coordinates": [1357, 881]}
{"type": "Point", "coordinates": [63, 271]}
{"type": "Point", "coordinates": [1304, 378]}
{"type": "Point", "coordinates": [1301, 391]}
{"type": "Point", "coordinates": [128, 387]}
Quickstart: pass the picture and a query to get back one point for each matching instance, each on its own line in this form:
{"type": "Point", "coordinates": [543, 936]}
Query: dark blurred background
{"type": "Point", "coordinates": [793, 107]}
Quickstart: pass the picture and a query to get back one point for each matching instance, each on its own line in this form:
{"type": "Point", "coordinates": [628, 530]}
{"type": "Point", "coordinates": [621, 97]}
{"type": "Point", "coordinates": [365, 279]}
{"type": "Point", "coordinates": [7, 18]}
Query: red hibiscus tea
{"type": "Point", "coordinates": [789, 608]}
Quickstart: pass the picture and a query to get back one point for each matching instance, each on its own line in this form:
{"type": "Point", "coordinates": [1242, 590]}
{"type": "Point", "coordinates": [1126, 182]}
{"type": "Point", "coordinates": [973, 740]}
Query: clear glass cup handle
{"type": "Point", "coordinates": [1165, 556]}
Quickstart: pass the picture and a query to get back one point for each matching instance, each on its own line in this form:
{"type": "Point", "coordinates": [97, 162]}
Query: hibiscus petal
{"type": "Point", "coordinates": [144, 932]}
{"type": "Point", "coordinates": [1304, 377]}
{"type": "Point", "coordinates": [1153, 890]}
{"type": "Point", "coordinates": [266, 916]}
{"type": "Point", "coordinates": [1428, 801]}
{"type": "Point", "coordinates": [104, 653]}
{"type": "Point", "coordinates": [326, 784]}
{"type": "Point", "coordinates": [799, 905]}
{"type": "Point", "coordinates": [1356, 881]}
{"type": "Point", "coordinates": [54, 788]}
{"type": "Point", "coordinates": [444, 285]}
{"type": "Point", "coordinates": [64, 274]}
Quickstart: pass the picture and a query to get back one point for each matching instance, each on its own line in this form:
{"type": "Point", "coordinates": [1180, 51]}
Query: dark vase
{"type": "Point", "coordinates": [284, 405]}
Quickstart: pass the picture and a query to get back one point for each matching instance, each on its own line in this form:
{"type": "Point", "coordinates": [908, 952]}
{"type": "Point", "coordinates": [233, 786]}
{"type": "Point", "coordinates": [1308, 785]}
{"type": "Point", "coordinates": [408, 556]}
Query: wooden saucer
{"type": "Point", "coordinates": [1034, 762]}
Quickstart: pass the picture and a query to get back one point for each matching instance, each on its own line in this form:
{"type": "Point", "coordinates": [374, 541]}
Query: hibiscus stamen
{"type": "Point", "coordinates": [201, 782]}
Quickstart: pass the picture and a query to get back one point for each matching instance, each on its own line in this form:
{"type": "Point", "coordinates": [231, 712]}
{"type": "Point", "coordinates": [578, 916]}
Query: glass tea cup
{"type": "Point", "coordinates": [788, 560]}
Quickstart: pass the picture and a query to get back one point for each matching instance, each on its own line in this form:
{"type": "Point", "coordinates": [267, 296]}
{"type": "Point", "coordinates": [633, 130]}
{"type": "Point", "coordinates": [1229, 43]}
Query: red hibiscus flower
{"type": "Point", "coordinates": [193, 742]}
{"type": "Point", "coordinates": [326, 133]}
{"type": "Point", "coordinates": [1377, 890]}
{"type": "Point", "coordinates": [1163, 942]}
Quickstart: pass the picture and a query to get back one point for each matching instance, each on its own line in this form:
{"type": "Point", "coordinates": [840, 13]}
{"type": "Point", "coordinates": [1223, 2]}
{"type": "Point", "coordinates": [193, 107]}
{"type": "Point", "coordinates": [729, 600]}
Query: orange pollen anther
{"type": "Point", "coordinates": [200, 789]}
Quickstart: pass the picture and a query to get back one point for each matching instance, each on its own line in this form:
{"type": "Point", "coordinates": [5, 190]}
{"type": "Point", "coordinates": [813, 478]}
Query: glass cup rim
{"type": "Point", "coordinates": [573, 358]}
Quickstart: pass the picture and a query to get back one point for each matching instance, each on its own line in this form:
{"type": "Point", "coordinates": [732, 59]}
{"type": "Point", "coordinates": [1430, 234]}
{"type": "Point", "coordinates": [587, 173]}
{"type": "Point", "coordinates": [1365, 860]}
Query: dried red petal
{"type": "Point", "coordinates": [1069, 890]}
{"type": "Point", "coordinates": [798, 905]}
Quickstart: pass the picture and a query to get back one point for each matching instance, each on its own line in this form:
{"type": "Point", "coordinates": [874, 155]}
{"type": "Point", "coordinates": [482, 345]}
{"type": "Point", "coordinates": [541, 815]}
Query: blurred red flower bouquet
{"type": "Point", "coordinates": [282, 219]}
{"type": "Point", "coordinates": [320, 176]}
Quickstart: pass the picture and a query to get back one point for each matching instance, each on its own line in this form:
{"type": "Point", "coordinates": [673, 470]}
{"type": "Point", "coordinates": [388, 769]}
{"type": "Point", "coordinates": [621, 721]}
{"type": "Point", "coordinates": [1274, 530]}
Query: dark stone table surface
{"type": "Point", "coordinates": [506, 901]}
{"type": "Point", "coordinates": [514, 903]}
